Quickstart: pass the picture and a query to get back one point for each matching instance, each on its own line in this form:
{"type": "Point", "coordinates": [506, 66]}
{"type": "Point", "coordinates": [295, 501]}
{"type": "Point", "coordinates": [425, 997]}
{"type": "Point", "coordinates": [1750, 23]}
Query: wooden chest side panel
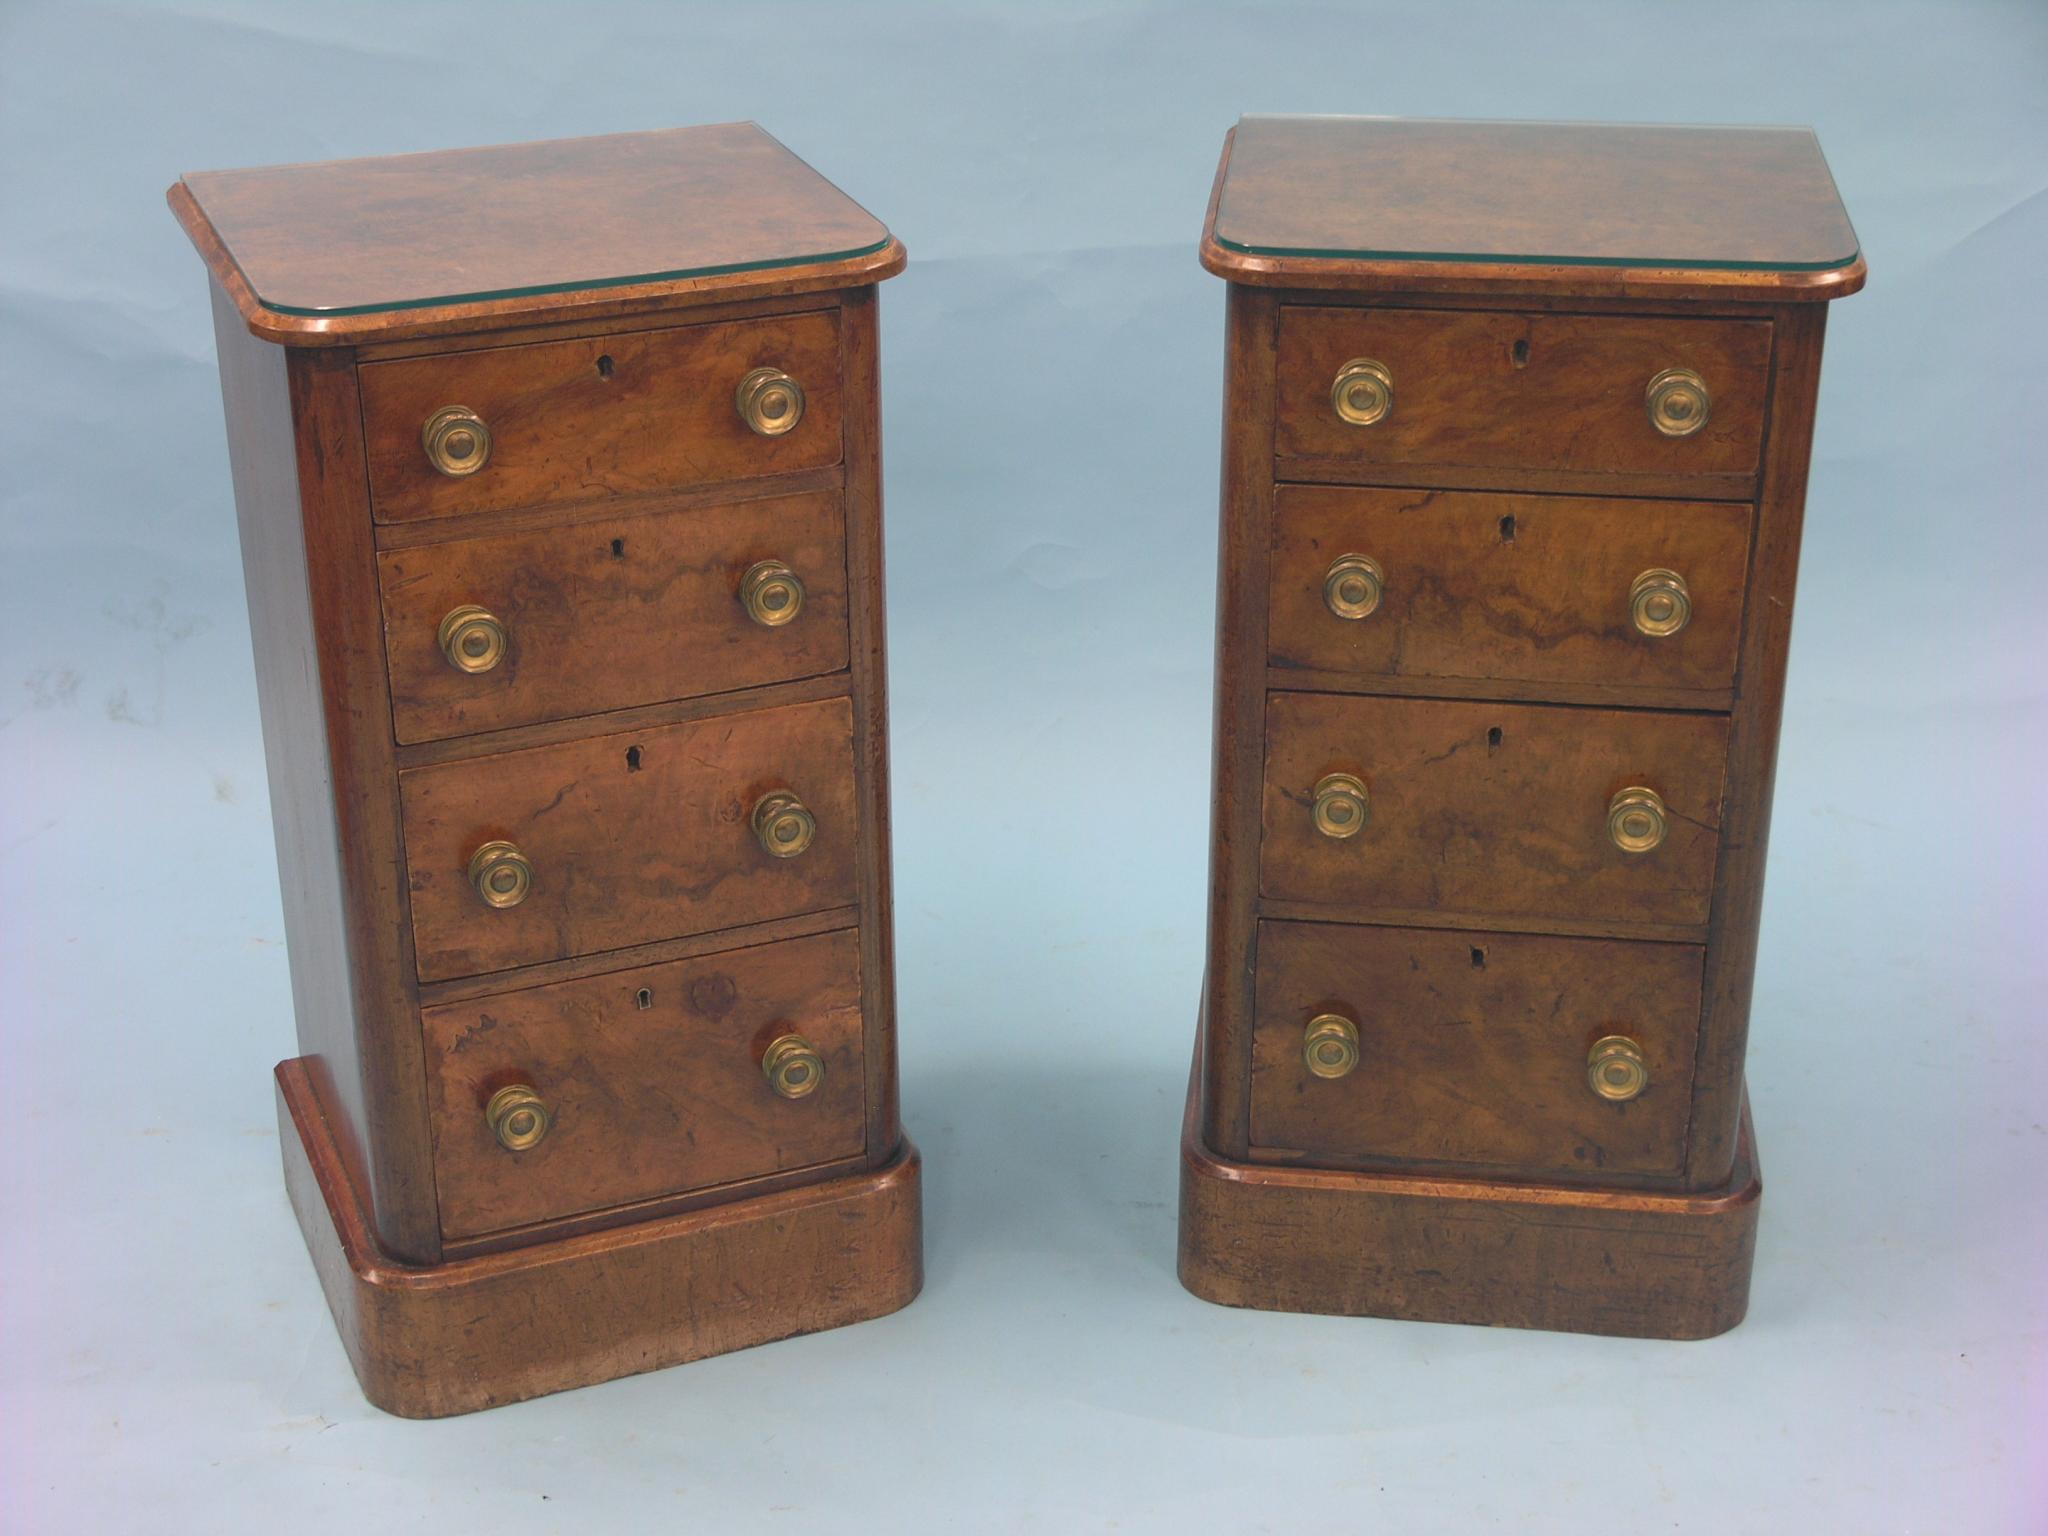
{"type": "Point", "coordinates": [1516, 390]}
{"type": "Point", "coordinates": [634, 837]}
{"type": "Point", "coordinates": [598, 416]}
{"type": "Point", "coordinates": [295, 450]}
{"type": "Point", "coordinates": [1491, 808]}
{"type": "Point", "coordinates": [1508, 588]}
{"type": "Point", "coordinates": [610, 614]}
{"type": "Point", "coordinates": [1472, 1050]}
{"type": "Point", "coordinates": [648, 1098]}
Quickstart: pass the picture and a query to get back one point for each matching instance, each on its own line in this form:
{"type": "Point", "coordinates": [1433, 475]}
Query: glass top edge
{"type": "Point", "coordinates": [1520, 122]}
{"type": "Point", "coordinates": [574, 285]}
{"type": "Point", "coordinates": [1479, 258]}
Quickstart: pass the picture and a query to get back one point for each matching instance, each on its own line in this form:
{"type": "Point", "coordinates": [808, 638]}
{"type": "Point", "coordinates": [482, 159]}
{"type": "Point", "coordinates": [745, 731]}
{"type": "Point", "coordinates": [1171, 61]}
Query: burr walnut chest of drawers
{"type": "Point", "coordinates": [1516, 437]}
{"type": "Point", "coordinates": [558, 475]}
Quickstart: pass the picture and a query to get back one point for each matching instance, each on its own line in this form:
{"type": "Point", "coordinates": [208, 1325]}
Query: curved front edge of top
{"type": "Point", "coordinates": [1427, 275]}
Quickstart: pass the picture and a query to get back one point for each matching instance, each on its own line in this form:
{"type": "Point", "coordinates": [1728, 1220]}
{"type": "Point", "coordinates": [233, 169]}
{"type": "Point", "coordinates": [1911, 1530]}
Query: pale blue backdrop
{"type": "Point", "coordinates": [1052, 383]}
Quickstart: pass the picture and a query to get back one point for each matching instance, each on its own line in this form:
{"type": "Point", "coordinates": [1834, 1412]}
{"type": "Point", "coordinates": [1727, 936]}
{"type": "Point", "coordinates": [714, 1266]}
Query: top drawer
{"type": "Point", "coordinates": [1500, 390]}
{"type": "Point", "coordinates": [598, 416]}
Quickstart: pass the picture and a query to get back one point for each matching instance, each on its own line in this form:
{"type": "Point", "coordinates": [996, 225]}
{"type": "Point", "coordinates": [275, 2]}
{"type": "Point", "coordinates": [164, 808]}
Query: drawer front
{"type": "Point", "coordinates": [1536, 589]}
{"type": "Point", "coordinates": [1472, 1049]}
{"type": "Point", "coordinates": [626, 839]}
{"type": "Point", "coordinates": [1490, 810]}
{"type": "Point", "coordinates": [599, 416]}
{"type": "Point", "coordinates": [1502, 390]}
{"type": "Point", "coordinates": [607, 615]}
{"type": "Point", "coordinates": [651, 1080]}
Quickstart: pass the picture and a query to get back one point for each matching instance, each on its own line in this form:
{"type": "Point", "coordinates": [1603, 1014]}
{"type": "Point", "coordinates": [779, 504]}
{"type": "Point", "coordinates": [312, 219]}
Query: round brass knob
{"type": "Point", "coordinates": [1353, 586]}
{"type": "Point", "coordinates": [772, 593]}
{"type": "Point", "coordinates": [1329, 1047]}
{"type": "Point", "coordinates": [1636, 819]}
{"type": "Point", "coordinates": [792, 1066]}
{"type": "Point", "coordinates": [472, 638]}
{"type": "Point", "coordinates": [457, 441]}
{"type": "Point", "coordinates": [1615, 1068]}
{"type": "Point", "coordinates": [770, 401]}
{"type": "Point", "coordinates": [784, 824]}
{"type": "Point", "coordinates": [501, 874]}
{"type": "Point", "coordinates": [517, 1117]}
{"type": "Point", "coordinates": [1678, 402]}
{"type": "Point", "coordinates": [1341, 807]}
{"type": "Point", "coordinates": [1660, 603]}
{"type": "Point", "coordinates": [1363, 392]}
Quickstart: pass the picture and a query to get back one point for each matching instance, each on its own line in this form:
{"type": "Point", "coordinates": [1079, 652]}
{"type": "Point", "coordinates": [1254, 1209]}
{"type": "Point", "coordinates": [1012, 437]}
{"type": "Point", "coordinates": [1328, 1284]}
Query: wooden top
{"type": "Point", "coordinates": [407, 245]}
{"type": "Point", "coordinates": [1611, 209]}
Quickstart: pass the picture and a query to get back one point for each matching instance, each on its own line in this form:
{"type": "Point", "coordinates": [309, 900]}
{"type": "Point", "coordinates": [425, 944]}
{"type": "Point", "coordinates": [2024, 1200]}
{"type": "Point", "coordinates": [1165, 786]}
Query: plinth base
{"type": "Point", "coordinates": [428, 1341]}
{"type": "Point", "coordinates": [1628, 1262]}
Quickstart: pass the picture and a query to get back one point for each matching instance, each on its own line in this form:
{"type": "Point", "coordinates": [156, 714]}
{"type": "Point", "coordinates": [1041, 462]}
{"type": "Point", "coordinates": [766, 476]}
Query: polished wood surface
{"type": "Point", "coordinates": [1492, 703]}
{"type": "Point", "coordinates": [1491, 808]}
{"type": "Point", "coordinates": [1472, 1051]}
{"type": "Point", "coordinates": [653, 1078]}
{"type": "Point", "coordinates": [1630, 1263]}
{"type": "Point", "coordinates": [1502, 390]}
{"type": "Point", "coordinates": [602, 416]}
{"type": "Point", "coordinates": [629, 610]}
{"type": "Point", "coordinates": [1643, 211]}
{"type": "Point", "coordinates": [1509, 589]}
{"type": "Point", "coordinates": [633, 837]}
{"type": "Point", "coordinates": [441, 228]}
{"type": "Point", "coordinates": [634, 719]}
{"type": "Point", "coordinates": [502, 1327]}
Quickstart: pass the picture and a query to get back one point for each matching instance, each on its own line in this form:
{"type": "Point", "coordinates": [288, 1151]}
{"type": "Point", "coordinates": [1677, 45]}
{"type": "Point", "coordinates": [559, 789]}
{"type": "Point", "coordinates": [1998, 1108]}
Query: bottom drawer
{"type": "Point", "coordinates": [1472, 1050]}
{"type": "Point", "coordinates": [650, 1081]}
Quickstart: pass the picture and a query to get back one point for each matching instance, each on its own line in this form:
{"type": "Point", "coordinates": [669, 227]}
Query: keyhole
{"type": "Point", "coordinates": [632, 759]}
{"type": "Point", "coordinates": [644, 999]}
{"type": "Point", "coordinates": [1520, 353]}
{"type": "Point", "coordinates": [618, 549]}
{"type": "Point", "coordinates": [1507, 531]}
{"type": "Point", "coordinates": [1478, 958]}
{"type": "Point", "coordinates": [604, 366]}
{"type": "Point", "coordinates": [1493, 737]}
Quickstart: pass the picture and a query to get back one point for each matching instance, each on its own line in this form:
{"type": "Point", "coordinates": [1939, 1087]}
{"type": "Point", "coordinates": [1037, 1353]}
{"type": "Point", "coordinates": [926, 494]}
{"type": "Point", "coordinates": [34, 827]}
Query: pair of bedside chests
{"type": "Point", "coordinates": [558, 470]}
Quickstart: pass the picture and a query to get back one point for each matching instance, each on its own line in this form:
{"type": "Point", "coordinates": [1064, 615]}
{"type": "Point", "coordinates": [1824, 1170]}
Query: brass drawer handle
{"type": "Point", "coordinates": [784, 824]}
{"type": "Point", "coordinates": [472, 638]}
{"type": "Point", "coordinates": [1615, 1068]}
{"type": "Point", "coordinates": [772, 593]}
{"type": "Point", "coordinates": [501, 874]}
{"type": "Point", "coordinates": [457, 441]}
{"type": "Point", "coordinates": [1678, 402]}
{"type": "Point", "coordinates": [1363, 392]}
{"type": "Point", "coordinates": [1636, 819]}
{"type": "Point", "coordinates": [793, 1066]}
{"type": "Point", "coordinates": [517, 1117]}
{"type": "Point", "coordinates": [770, 401]}
{"type": "Point", "coordinates": [1329, 1047]}
{"type": "Point", "coordinates": [1342, 806]}
{"type": "Point", "coordinates": [1660, 603]}
{"type": "Point", "coordinates": [1353, 586]}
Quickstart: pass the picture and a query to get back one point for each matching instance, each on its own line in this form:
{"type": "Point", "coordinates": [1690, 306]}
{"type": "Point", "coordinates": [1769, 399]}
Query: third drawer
{"type": "Point", "coordinates": [1541, 813]}
{"type": "Point", "coordinates": [550, 852]}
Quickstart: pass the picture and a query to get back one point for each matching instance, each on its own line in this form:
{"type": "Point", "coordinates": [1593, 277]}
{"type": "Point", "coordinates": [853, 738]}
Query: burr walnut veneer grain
{"type": "Point", "coordinates": [1516, 439]}
{"type": "Point", "coordinates": [591, 1079]}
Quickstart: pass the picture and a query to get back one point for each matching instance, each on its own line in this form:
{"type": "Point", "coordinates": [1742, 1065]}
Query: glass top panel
{"type": "Point", "coordinates": [350, 237]}
{"type": "Point", "coordinates": [1581, 194]}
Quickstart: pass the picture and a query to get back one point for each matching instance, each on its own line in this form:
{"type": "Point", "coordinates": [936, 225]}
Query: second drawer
{"type": "Point", "coordinates": [645, 1082]}
{"type": "Point", "coordinates": [1474, 1049]}
{"type": "Point", "coordinates": [1540, 812]}
{"type": "Point", "coordinates": [515, 628]}
{"type": "Point", "coordinates": [594, 845]}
